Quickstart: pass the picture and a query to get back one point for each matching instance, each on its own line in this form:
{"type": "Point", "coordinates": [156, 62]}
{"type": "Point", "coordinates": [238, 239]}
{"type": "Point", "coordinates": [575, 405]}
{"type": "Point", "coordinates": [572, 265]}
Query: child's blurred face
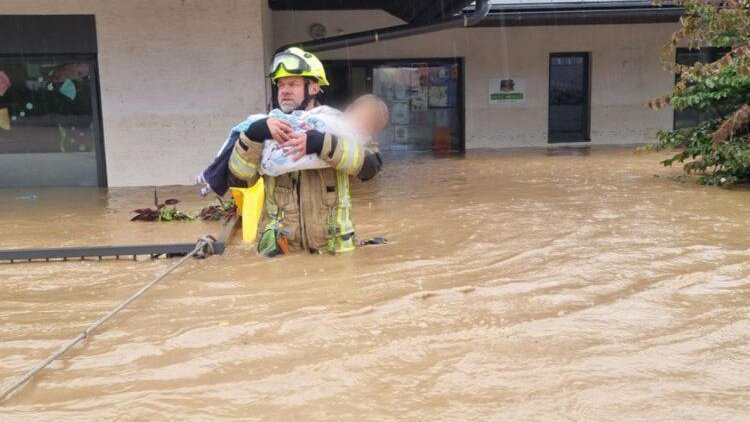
{"type": "Point", "coordinates": [365, 119]}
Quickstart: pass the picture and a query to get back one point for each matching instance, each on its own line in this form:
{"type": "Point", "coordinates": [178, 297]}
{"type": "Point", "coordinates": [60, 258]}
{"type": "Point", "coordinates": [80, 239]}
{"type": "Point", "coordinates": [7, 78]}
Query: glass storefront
{"type": "Point", "coordinates": [49, 121]}
{"type": "Point", "coordinates": [425, 99]}
{"type": "Point", "coordinates": [50, 124]}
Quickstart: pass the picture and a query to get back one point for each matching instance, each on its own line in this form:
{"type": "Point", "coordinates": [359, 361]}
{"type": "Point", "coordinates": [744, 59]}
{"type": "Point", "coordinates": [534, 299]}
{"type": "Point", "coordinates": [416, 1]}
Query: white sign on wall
{"type": "Point", "coordinates": [510, 90]}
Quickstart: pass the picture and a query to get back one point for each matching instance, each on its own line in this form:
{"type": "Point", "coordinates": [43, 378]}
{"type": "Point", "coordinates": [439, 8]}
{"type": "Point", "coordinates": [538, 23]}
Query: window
{"type": "Point", "coordinates": [50, 128]}
{"type": "Point", "coordinates": [688, 57]}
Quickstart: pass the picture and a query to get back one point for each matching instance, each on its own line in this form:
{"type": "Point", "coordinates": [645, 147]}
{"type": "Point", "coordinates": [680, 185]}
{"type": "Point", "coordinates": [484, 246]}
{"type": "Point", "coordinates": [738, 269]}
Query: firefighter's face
{"type": "Point", "coordinates": [291, 92]}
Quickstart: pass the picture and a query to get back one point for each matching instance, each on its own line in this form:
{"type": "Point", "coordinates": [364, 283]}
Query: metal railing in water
{"type": "Point", "coordinates": [167, 250]}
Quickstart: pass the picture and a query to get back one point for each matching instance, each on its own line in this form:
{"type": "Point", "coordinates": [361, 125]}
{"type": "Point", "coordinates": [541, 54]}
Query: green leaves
{"type": "Point", "coordinates": [717, 150]}
{"type": "Point", "coordinates": [162, 212]}
{"type": "Point", "coordinates": [218, 211]}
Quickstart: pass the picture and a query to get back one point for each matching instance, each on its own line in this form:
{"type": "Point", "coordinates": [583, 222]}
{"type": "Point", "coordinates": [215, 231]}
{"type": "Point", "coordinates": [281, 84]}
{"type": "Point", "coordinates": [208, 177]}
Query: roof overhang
{"type": "Point", "coordinates": [577, 12]}
{"type": "Point", "coordinates": [506, 12]}
{"type": "Point", "coordinates": [414, 11]}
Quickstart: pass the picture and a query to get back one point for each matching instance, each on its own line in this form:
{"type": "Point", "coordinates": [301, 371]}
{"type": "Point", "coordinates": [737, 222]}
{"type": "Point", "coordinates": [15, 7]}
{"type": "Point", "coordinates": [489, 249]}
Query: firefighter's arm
{"type": "Point", "coordinates": [246, 154]}
{"type": "Point", "coordinates": [345, 155]}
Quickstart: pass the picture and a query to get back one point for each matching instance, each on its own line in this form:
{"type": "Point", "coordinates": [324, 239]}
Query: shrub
{"type": "Point", "coordinates": [717, 149]}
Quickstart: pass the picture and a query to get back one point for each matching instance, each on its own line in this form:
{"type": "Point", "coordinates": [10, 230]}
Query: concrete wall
{"type": "Point", "coordinates": [174, 76]}
{"type": "Point", "coordinates": [268, 47]}
{"type": "Point", "coordinates": [624, 64]}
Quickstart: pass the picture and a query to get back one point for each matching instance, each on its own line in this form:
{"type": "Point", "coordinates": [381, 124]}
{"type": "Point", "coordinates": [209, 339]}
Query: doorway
{"type": "Point", "coordinates": [569, 97]}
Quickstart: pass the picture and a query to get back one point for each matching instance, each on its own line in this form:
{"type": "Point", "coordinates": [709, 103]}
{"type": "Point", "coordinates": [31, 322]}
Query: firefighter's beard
{"type": "Point", "coordinates": [289, 105]}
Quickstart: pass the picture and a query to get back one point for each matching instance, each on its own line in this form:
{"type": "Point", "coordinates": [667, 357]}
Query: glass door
{"type": "Point", "coordinates": [569, 97]}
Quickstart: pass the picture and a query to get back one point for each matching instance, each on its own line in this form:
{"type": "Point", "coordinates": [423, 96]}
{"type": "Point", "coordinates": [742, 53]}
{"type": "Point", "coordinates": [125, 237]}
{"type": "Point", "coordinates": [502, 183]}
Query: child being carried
{"type": "Point", "coordinates": [361, 122]}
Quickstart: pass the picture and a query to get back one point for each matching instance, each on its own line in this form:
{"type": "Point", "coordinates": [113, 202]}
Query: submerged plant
{"type": "Point", "coordinates": [162, 211]}
{"type": "Point", "coordinates": [718, 148]}
{"type": "Point", "coordinates": [220, 210]}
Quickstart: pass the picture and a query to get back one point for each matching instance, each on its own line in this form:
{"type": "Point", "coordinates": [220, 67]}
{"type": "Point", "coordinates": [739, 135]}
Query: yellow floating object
{"type": "Point", "coordinates": [250, 206]}
{"type": "Point", "coordinates": [4, 119]}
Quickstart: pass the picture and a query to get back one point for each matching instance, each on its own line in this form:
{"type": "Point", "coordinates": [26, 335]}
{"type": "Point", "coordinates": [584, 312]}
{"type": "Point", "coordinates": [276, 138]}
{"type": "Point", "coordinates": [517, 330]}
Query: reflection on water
{"type": "Point", "coordinates": [54, 217]}
{"type": "Point", "coordinates": [517, 286]}
{"type": "Point", "coordinates": [582, 151]}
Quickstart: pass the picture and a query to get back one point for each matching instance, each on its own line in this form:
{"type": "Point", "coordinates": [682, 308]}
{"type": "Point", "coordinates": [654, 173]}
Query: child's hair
{"type": "Point", "coordinates": [373, 101]}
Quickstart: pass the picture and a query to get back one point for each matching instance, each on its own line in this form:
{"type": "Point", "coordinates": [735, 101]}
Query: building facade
{"type": "Point", "coordinates": [103, 93]}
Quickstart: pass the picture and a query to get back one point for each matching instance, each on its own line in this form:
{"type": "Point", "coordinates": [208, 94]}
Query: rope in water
{"type": "Point", "coordinates": [203, 248]}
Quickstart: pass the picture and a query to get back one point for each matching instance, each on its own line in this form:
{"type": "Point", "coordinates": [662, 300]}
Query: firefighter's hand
{"type": "Point", "coordinates": [280, 130]}
{"type": "Point", "coordinates": [297, 146]}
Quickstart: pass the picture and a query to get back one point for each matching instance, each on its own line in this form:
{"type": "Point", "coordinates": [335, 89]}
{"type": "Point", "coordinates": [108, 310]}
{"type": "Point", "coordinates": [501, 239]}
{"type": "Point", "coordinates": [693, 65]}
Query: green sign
{"type": "Point", "coordinates": [510, 96]}
{"type": "Point", "coordinates": [508, 90]}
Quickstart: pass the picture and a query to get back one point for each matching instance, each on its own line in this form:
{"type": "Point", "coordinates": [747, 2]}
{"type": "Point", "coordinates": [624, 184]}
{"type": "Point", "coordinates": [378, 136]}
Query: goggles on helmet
{"type": "Point", "coordinates": [291, 62]}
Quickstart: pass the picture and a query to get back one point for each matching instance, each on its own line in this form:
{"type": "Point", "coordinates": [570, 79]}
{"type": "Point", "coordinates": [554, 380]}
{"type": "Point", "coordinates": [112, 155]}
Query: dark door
{"type": "Point", "coordinates": [569, 105]}
{"type": "Point", "coordinates": [347, 82]}
{"type": "Point", "coordinates": [691, 117]}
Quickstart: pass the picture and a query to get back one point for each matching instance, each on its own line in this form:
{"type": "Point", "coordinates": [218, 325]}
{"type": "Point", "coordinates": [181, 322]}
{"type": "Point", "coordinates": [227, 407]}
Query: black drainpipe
{"type": "Point", "coordinates": [585, 17]}
{"type": "Point", "coordinates": [376, 35]}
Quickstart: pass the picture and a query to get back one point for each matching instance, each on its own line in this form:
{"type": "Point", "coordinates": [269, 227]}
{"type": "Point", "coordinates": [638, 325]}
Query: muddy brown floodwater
{"type": "Point", "coordinates": [517, 286]}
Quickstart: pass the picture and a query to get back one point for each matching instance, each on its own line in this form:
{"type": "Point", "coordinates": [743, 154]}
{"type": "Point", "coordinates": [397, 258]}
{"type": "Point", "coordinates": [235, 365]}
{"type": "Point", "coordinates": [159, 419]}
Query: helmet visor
{"type": "Point", "coordinates": [292, 64]}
